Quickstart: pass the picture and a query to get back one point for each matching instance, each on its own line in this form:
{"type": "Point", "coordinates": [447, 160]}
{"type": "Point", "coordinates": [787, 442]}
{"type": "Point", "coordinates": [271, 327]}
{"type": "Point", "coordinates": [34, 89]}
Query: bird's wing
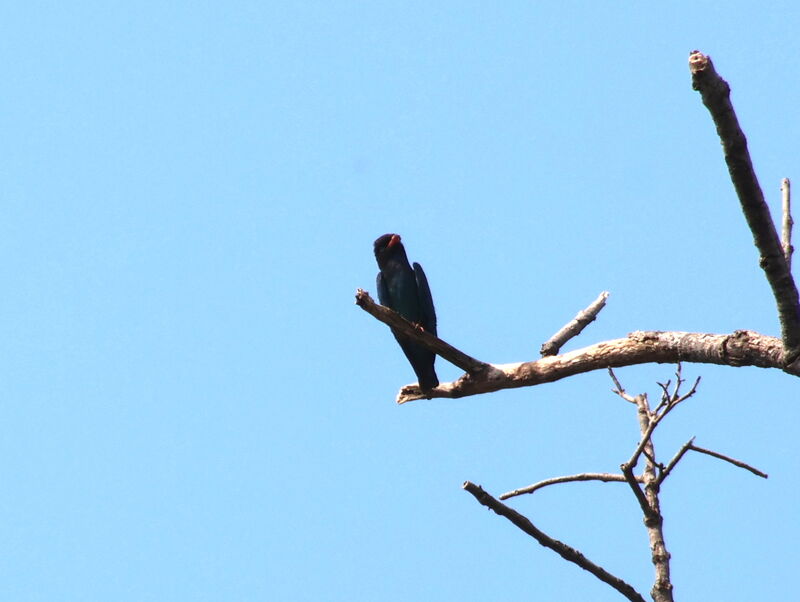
{"type": "Point", "coordinates": [427, 313]}
{"type": "Point", "coordinates": [383, 291]}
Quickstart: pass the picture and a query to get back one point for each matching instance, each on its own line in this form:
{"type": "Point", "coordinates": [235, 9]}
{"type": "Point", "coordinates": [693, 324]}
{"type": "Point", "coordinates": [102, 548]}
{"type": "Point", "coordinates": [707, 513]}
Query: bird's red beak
{"type": "Point", "coordinates": [393, 240]}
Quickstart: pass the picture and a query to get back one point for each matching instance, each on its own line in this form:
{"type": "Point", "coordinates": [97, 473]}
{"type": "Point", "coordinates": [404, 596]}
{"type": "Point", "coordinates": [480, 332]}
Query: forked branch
{"type": "Point", "coordinates": [565, 551]}
{"type": "Point", "coordinates": [715, 93]}
{"type": "Point", "coordinates": [646, 488]}
{"type": "Point", "coordinates": [741, 348]}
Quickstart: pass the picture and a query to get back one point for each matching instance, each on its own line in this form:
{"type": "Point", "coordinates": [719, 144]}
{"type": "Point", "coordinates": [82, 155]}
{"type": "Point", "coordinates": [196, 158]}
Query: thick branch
{"type": "Point", "coordinates": [404, 327]}
{"type": "Point", "coordinates": [565, 551]}
{"type": "Point", "coordinates": [715, 93]}
{"type": "Point", "coordinates": [575, 327]}
{"type": "Point", "coordinates": [742, 348]}
{"type": "Point", "coordinates": [605, 477]}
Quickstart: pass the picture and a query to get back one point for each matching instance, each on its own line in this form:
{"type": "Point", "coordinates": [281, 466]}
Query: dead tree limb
{"type": "Point", "coordinates": [741, 348]}
{"type": "Point", "coordinates": [575, 326]}
{"type": "Point", "coordinates": [562, 549]}
{"type": "Point", "coordinates": [390, 317]}
{"type": "Point", "coordinates": [648, 498]}
{"type": "Point", "coordinates": [646, 487]}
{"type": "Point", "coordinates": [715, 93]}
{"type": "Point", "coordinates": [728, 459]}
{"type": "Point", "coordinates": [675, 459]}
{"type": "Point", "coordinates": [604, 477]}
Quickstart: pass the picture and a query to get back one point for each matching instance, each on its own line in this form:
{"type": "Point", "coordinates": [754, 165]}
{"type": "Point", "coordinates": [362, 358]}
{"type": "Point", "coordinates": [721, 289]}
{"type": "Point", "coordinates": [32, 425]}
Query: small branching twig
{"type": "Point", "coordinates": [620, 390]}
{"type": "Point", "coordinates": [565, 551]}
{"type": "Point", "coordinates": [650, 420]}
{"type": "Point", "coordinates": [677, 398]}
{"type": "Point", "coordinates": [575, 326]}
{"type": "Point", "coordinates": [604, 477]}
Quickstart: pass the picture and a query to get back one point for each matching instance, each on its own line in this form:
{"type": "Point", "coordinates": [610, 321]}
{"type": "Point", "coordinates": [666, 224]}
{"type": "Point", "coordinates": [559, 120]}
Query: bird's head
{"type": "Point", "coordinates": [386, 246]}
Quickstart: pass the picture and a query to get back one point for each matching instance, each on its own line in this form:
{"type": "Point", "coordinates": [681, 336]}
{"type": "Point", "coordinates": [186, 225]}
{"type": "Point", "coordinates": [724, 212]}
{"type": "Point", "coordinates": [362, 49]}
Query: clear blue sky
{"type": "Point", "coordinates": [193, 408]}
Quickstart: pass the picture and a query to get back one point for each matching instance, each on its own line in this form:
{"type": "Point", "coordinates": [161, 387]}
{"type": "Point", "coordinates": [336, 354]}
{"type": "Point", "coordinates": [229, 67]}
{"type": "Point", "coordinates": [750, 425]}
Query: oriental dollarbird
{"type": "Point", "coordinates": [406, 291]}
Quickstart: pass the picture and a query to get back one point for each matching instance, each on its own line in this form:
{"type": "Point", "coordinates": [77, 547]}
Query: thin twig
{"type": "Point", "coordinates": [678, 380]}
{"type": "Point", "coordinates": [565, 551]}
{"type": "Point", "coordinates": [605, 477]}
{"type": "Point", "coordinates": [620, 390]}
{"type": "Point", "coordinates": [738, 463]}
{"type": "Point", "coordinates": [674, 400]}
{"type": "Point", "coordinates": [666, 396]}
{"type": "Point", "coordinates": [575, 326]}
{"type": "Point", "coordinates": [787, 221]}
{"type": "Point", "coordinates": [675, 459]}
{"type": "Point", "coordinates": [715, 94]}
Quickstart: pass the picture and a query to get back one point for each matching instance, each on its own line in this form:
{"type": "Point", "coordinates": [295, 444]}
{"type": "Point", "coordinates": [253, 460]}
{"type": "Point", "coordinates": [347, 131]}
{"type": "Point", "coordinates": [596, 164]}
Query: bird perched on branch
{"type": "Point", "coordinates": [406, 291]}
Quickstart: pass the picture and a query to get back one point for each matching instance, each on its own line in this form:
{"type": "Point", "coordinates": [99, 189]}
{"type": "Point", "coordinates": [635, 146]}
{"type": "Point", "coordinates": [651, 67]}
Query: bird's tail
{"type": "Point", "coordinates": [427, 378]}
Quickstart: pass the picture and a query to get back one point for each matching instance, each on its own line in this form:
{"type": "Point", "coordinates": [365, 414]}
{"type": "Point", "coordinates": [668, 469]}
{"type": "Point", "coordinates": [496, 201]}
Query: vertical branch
{"type": "Point", "coordinates": [787, 222]}
{"type": "Point", "coordinates": [653, 520]}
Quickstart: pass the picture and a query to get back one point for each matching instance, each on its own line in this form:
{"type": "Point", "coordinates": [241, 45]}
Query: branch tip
{"type": "Point", "coordinates": [575, 326]}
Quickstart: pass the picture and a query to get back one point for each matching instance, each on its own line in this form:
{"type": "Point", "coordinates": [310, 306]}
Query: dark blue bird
{"type": "Point", "coordinates": [406, 291]}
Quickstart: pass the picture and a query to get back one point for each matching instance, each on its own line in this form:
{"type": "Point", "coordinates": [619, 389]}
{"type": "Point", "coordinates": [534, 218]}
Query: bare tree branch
{"type": "Point", "coordinates": [787, 222]}
{"type": "Point", "coordinates": [620, 390]}
{"type": "Point", "coordinates": [574, 327]}
{"type": "Point", "coordinates": [672, 463]}
{"type": "Point", "coordinates": [689, 445]}
{"type": "Point", "coordinates": [647, 427]}
{"type": "Point", "coordinates": [715, 93]}
{"type": "Point", "coordinates": [742, 348]}
{"type": "Point", "coordinates": [565, 551]}
{"type": "Point", "coordinates": [605, 477]}
{"type": "Point", "coordinates": [651, 506]}
{"type": "Point", "coordinates": [411, 331]}
{"type": "Point", "coordinates": [738, 463]}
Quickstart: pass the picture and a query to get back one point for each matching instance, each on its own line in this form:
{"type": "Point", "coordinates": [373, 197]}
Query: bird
{"type": "Point", "coordinates": [405, 290]}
